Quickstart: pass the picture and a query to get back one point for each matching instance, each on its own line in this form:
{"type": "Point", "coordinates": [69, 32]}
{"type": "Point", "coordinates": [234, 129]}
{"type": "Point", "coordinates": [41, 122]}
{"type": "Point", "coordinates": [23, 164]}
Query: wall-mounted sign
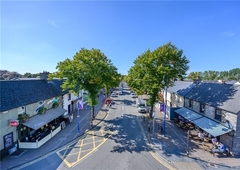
{"type": "Point", "coordinates": [8, 140]}
{"type": "Point", "coordinates": [13, 123]}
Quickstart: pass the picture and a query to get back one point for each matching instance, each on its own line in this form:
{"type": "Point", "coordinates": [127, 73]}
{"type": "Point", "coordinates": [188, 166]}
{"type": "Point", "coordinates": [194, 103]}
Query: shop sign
{"type": "Point", "coordinates": [13, 123]}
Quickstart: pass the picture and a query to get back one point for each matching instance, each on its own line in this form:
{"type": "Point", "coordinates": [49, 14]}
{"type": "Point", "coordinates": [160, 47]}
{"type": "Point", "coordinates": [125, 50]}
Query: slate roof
{"type": "Point", "coordinates": [17, 93]}
{"type": "Point", "coordinates": [57, 84]}
{"type": "Point", "coordinates": [223, 96]}
{"type": "Point", "coordinates": [181, 87]}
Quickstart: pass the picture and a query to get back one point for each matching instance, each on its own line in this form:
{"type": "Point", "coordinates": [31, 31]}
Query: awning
{"type": "Point", "coordinates": [38, 121]}
{"type": "Point", "coordinates": [188, 114]}
{"type": "Point", "coordinates": [211, 127]}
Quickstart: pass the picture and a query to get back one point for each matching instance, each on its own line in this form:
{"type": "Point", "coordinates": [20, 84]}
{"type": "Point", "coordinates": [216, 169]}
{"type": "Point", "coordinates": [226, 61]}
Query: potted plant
{"type": "Point", "coordinates": [23, 117]}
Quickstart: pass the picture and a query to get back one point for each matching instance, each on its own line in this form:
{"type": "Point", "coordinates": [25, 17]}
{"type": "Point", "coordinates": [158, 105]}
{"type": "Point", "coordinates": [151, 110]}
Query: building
{"type": "Point", "coordinates": [32, 111]}
{"type": "Point", "coordinates": [213, 107]}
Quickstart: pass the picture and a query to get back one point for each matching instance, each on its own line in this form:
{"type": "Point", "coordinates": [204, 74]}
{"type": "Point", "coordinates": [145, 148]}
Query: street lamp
{"type": "Point", "coordinates": [165, 105]}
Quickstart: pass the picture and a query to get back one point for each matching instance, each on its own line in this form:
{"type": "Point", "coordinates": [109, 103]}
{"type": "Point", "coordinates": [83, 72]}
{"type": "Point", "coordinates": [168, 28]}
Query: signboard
{"type": "Point", "coordinates": [8, 140]}
{"type": "Point", "coordinates": [13, 123]}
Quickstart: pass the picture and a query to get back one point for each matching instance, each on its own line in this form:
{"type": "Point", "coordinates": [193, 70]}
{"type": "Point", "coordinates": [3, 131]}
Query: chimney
{"type": "Point", "coordinates": [44, 75]}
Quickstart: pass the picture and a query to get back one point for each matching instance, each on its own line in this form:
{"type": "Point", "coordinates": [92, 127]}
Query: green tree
{"type": "Point", "coordinates": [152, 71]}
{"type": "Point", "coordinates": [195, 75]}
{"type": "Point", "coordinates": [112, 79]}
{"type": "Point", "coordinates": [89, 70]}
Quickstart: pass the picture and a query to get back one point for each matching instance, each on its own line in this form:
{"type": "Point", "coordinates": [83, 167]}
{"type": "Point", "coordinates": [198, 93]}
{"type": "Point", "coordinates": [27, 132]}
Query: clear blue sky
{"type": "Point", "coordinates": [36, 35]}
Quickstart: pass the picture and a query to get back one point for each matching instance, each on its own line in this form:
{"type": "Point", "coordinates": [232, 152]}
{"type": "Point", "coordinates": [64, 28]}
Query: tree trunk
{"type": "Point", "coordinates": [151, 112]}
{"type": "Point", "coordinates": [93, 116]}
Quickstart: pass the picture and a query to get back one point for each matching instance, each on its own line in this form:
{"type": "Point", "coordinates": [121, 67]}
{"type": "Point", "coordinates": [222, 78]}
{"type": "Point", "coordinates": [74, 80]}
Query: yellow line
{"type": "Point", "coordinates": [86, 150]}
{"type": "Point", "coordinates": [93, 137]}
{"type": "Point", "coordinates": [162, 161]}
{"type": "Point", "coordinates": [79, 153]}
{"type": "Point", "coordinates": [105, 139]}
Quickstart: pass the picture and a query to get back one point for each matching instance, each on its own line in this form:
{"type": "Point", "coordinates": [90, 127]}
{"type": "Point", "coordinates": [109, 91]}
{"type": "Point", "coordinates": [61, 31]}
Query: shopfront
{"type": "Point", "coordinates": [41, 128]}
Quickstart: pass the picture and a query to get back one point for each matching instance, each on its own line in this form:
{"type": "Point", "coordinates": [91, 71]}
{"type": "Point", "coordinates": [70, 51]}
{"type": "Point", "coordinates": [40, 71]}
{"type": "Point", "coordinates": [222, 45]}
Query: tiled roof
{"type": "Point", "coordinates": [181, 87]}
{"type": "Point", "coordinates": [57, 84]}
{"type": "Point", "coordinates": [23, 92]}
{"type": "Point", "coordinates": [224, 96]}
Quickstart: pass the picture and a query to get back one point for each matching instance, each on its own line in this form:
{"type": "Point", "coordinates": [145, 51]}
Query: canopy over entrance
{"type": "Point", "coordinates": [38, 121]}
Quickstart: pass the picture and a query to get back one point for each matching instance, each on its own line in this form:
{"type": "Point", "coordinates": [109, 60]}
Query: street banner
{"type": "Point", "coordinates": [162, 107]}
{"type": "Point", "coordinates": [80, 104]}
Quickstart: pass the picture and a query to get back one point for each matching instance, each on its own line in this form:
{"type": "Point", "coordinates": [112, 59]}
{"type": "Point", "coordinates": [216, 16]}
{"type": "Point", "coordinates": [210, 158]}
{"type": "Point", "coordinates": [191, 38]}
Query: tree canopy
{"type": "Point", "coordinates": [90, 70]}
{"type": "Point", "coordinates": [152, 71]}
{"type": "Point", "coordinates": [233, 74]}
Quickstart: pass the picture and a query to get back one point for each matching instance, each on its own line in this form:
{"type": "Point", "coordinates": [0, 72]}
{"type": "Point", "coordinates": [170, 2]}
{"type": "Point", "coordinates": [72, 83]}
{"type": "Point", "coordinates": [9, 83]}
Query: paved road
{"type": "Point", "coordinates": [118, 143]}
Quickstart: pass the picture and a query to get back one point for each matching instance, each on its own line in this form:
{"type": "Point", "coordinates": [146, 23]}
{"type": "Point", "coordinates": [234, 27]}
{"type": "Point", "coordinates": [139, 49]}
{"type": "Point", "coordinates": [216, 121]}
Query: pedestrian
{"type": "Point", "coordinates": [149, 129]}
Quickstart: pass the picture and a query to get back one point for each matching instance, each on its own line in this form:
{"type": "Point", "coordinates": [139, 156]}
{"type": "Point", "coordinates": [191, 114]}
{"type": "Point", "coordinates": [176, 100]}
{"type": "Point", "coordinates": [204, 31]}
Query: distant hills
{"type": "Point", "coordinates": [8, 75]}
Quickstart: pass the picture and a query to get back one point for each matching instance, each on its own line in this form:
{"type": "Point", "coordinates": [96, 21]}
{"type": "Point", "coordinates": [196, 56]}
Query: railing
{"type": "Point", "coordinates": [38, 143]}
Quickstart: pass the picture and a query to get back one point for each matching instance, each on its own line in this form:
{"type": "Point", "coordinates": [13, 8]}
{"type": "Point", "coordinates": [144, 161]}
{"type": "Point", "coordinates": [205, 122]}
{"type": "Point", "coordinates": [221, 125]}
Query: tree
{"type": "Point", "coordinates": [195, 75]}
{"type": "Point", "coordinates": [152, 71]}
{"type": "Point", "coordinates": [89, 70]}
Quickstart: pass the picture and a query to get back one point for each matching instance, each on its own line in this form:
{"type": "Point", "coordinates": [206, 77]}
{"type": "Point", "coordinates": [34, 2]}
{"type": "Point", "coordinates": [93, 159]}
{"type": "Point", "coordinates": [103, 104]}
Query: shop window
{"type": "Point", "coordinates": [202, 108]}
{"type": "Point", "coordinates": [218, 114]}
{"type": "Point", "coordinates": [21, 110]}
{"type": "Point", "coordinates": [190, 103]}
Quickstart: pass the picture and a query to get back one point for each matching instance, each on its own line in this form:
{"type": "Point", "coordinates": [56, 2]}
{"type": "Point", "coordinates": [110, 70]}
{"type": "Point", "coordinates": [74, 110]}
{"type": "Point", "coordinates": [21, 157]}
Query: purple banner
{"type": "Point", "coordinates": [162, 107]}
{"type": "Point", "coordinates": [80, 104]}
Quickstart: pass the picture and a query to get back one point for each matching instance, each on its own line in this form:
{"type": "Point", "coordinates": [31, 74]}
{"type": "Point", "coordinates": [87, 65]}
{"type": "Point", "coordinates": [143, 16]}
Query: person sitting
{"type": "Point", "coordinates": [201, 135]}
{"type": "Point", "coordinates": [214, 142]}
{"type": "Point", "coordinates": [221, 148]}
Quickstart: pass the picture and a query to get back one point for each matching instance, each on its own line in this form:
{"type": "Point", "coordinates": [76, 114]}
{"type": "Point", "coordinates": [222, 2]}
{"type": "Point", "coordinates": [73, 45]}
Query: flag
{"type": "Point", "coordinates": [162, 107]}
{"type": "Point", "coordinates": [80, 104]}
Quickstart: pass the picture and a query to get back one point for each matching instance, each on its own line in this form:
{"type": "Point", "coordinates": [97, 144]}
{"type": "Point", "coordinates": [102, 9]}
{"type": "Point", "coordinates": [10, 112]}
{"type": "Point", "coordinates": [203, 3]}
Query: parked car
{"type": "Point", "coordinates": [133, 95]}
{"type": "Point", "coordinates": [120, 93]}
{"type": "Point", "coordinates": [114, 94]}
{"type": "Point", "coordinates": [141, 105]}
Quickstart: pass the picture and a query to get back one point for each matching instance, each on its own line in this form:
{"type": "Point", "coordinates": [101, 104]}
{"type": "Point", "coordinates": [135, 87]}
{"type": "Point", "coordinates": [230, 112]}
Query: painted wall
{"type": "Point", "coordinates": [4, 125]}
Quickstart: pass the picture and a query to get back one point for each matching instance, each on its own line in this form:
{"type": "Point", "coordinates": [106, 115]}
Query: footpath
{"type": "Point", "coordinates": [173, 146]}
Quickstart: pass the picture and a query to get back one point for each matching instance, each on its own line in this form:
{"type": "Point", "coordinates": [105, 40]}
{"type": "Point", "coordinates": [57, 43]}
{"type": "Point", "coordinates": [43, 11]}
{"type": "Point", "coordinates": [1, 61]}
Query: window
{"type": "Point", "coordinates": [202, 108]}
{"type": "Point", "coordinates": [21, 110]}
{"type": "Point", "coordinates": [218, 114]}
{"type": "Point", "coordinates": [190, 103]}
{"type": "Point", "coordinates": [69, 96]}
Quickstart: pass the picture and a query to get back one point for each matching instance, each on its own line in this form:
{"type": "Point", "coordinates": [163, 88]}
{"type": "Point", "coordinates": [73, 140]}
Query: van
{"type": "Point", "coordinates": [141, 105]}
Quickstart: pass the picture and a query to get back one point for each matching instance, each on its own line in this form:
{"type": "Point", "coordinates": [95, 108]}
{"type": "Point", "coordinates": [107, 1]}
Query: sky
{"type": "Point", "coordinates": [36, 35]}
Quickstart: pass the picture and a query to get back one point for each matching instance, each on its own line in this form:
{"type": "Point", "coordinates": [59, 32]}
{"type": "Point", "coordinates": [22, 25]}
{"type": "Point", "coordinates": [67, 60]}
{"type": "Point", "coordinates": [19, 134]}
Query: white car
{"type": "Point", "coordinates": [114, 94]}
{"type": "Point", "coordinates": [120, 92]}
{"type": "Point", "coordinates": [133, 95]}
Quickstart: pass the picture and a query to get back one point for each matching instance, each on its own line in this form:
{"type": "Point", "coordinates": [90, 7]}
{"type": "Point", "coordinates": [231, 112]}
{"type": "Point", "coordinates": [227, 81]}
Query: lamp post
{"type": "Point", "coordinates": [78, 113]}
{"type": "Point", "coordinates": [165, 105]}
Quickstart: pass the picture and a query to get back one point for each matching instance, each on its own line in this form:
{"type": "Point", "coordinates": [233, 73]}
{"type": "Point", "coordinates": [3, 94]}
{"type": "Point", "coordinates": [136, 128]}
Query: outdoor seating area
{"type": "Point", "coordinates": [42, 132]}
{"type": "Point", "coordinates": [201, 138]}
{"type": "Point", "coordinates": [184, 123]}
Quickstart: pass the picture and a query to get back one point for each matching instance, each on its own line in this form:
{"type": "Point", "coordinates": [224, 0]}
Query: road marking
{"type": "Point", "coordinates": [167, 165]}
{"type": "Point", "coordinates": [87, 146]}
